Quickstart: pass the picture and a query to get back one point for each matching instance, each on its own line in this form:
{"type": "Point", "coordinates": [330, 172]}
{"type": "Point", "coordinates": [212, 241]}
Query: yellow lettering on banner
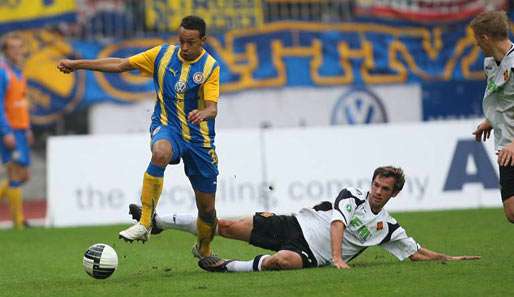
{"type": "Point", "coordinates": [23, 10]}
{"type": "Point", "coordinates": [468, 60]}
{"type": "Point", "coordinates": [317, 61]}
{"type": "Point", "coordinates": [243, 64]}
{"type": "Point", "coordinates": [466, 63]}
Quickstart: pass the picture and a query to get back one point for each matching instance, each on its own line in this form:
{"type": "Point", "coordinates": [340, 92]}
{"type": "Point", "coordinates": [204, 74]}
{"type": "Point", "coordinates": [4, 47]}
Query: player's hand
{"type": "Point", "coordinates": [506, 155]}
{"type": "Point", "coordinates": [483, 131]}
{"type": "Point", "coordinates": [9, 141]}
{"type": "Point", "coordinates": [30, 137]}
{"type": "Point", "coordinates": [460, 258]}
{"type": "Point", "coordinates": [340, 264]}
{"type": "Point", "coordinates": [196, 116]}
{"type": "Point", "coordinates": [66, 66]}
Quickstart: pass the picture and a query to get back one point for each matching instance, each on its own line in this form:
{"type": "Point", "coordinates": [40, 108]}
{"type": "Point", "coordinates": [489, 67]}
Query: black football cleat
{"type": "Point", "coordinates": [135, 212]}
{"type": "Point", "coordinates": [214, 264]}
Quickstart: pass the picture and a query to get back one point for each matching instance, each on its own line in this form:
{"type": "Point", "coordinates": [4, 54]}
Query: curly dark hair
{"type": "Point", "coordinates": [193, 22]}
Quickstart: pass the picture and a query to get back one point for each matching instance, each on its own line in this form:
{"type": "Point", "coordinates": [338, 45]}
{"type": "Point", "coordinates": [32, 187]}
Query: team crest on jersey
{"type": "Point", "coordinates": [198, 78]}
{"type": "Point", "coordinates": [506, 75]}
{"type": "Point", "coordinates": [348, 207]}
{"type": "Point", "coordinates": [380, 226]}
{"type": "Point", "coordinates": [180, 87]}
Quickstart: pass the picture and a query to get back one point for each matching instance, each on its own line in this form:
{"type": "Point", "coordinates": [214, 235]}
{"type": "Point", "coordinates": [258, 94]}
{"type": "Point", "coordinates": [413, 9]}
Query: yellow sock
{"type": "Point", "coordinates": [15, 196]}
{"type": "Point", "coordinates": [152, 188]}
{"type": "Point", "coordinates": [3, 188]}
{"type": "Point", "coordinates": [205, 235]}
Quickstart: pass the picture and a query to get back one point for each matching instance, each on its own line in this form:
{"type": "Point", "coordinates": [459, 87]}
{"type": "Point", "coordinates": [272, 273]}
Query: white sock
{"type": "Point", "coordinates": [247, 266]}
{"type": "Point", "coordinates": [240, 266]}
{"type": "Point", "coordinates": [179, 221]}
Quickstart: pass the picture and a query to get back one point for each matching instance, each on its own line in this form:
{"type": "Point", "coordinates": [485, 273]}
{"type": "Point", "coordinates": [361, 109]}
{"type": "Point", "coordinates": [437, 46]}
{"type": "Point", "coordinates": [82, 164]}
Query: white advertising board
{"type": "Point", "coordinates": [92, 179]}
{"type": "Point", "coordinates": [287, 107]}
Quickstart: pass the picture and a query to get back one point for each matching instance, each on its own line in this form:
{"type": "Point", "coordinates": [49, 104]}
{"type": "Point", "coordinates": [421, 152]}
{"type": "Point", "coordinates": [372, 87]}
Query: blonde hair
{"type": "Point", "coordinates": [492, 23]}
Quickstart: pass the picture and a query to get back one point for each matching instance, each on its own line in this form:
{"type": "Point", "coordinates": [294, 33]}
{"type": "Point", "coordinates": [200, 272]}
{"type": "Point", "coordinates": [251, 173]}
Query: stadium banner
{"type": "Point", "coordinates": [279, 170]}
{"type": "Point", "coordinates": [220, 15]}
{"type": "Point", "coordinates": [280, 55]}
{"type": "Point", "coordinates": [288, 107]}
{"type": "Point", "coordinates": [22, 14]}
{"type": "Point", "coordinates": [427, 10]}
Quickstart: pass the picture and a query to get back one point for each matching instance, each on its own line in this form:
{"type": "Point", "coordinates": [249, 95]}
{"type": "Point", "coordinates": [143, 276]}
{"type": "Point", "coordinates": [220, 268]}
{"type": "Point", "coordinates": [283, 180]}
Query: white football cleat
{"type": "Point", "coordinates": [135, 232]}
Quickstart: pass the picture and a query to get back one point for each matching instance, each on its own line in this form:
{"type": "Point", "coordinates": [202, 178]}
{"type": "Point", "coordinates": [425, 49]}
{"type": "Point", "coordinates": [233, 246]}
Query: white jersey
{"type": "Point", "coordinates": [498, 103]}
{"type": "Point", "coordinates": [363, 228]}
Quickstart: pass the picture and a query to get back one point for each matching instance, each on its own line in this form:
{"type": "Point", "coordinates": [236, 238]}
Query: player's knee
{"type": "Point", "coordinates": [510, 216]}
{"type": "Point", "coordinates": [19, 174]}
{"type": "Point", "coordinates": [206, 207]}
{"type": "Point", "coordinates": [508, 207]}
{"type": "Point", "coordinates": [230, 229]}
{"type": "Point", "coordinates": [224, 227]}
{"type": "Point", "coordinates": [161, 156]}
{"type": "Point", "coordinates": [279, 261]}
{"type": "Point", "coordinates": [208, 217]}
{"type": "Point", "coordinates": [25, 176]}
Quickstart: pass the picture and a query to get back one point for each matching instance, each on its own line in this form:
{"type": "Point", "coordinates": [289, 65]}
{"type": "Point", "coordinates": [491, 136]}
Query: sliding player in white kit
{"type": "Point", "coordinates": [331, 233]}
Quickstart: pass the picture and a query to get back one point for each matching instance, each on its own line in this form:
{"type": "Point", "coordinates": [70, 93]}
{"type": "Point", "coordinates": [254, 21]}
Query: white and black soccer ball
{"type": "Point", "coordinates": [100, 261]}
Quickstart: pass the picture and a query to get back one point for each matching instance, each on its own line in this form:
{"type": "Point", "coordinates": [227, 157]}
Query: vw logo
{"type": "Point", "coordinates": [358, 106]}
{"type": "Point", "coordinates": [180, 87]}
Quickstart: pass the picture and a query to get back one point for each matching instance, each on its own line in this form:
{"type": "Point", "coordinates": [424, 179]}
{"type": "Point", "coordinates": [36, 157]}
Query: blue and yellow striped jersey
{"type": "Point", "coordinates": [181, 87]}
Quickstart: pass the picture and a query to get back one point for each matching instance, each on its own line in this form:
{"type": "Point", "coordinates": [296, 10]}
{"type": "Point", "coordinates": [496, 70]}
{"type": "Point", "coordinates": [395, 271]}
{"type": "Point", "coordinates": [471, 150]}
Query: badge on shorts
{"type": "Point", "coordinates": [198, 78]}
{"type": "Point", "coordinates": [266, 214]}
{"type": "Point", "coordinates": [380, 226]}
{"type": "Point", "coordinates": [180, 87]}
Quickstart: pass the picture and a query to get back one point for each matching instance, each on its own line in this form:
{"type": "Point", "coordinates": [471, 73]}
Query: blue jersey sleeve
{"type": "Point", "coordinates": [4, 125]}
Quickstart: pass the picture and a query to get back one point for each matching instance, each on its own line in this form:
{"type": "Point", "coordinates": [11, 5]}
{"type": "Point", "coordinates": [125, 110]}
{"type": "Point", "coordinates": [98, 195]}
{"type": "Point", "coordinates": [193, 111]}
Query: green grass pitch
{"type": "Point", "coordinates": [48, 262]}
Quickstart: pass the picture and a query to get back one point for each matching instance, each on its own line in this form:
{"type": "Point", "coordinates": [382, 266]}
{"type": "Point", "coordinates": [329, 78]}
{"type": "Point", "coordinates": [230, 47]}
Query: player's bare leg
{"type": "Point", "coordinates": [206, 223]}
{"type": "Point", "coordinates": [282, 260]}
{"type": "Point", "coordinates": [152, 188]}
{"type": "Point", "coordinates": [240, 229]}
{"type": "Point", "coordinates": [508, 208]}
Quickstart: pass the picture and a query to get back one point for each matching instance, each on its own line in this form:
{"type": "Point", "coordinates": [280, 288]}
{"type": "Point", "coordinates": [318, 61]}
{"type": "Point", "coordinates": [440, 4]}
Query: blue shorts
{"type": "Point", "coordinates": [19, 155]}
{"type": "Point", "coordinates": [200, 163]}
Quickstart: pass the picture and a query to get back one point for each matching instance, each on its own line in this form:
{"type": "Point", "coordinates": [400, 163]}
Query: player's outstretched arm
{"type": "Point", "coordinates": [103, 65]}
{"type": "Point", "coordinates": [424, 254]}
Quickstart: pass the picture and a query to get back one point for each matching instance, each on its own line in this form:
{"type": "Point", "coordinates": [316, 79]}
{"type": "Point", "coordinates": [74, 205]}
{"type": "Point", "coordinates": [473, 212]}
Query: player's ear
{"type": "Point", "coordinates": [203, 38]}
{"type": "Point", "coordinates": [395, 193]}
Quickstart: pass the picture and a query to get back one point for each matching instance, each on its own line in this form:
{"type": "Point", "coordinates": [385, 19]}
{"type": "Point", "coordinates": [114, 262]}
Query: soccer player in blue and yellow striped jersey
{"type": "Point", "coordinates": [186, 80]}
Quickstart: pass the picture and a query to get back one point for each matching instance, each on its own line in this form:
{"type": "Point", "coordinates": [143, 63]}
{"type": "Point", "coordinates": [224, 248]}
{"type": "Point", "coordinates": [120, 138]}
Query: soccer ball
{"type": "Point", "coordinates": [100, 261]}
